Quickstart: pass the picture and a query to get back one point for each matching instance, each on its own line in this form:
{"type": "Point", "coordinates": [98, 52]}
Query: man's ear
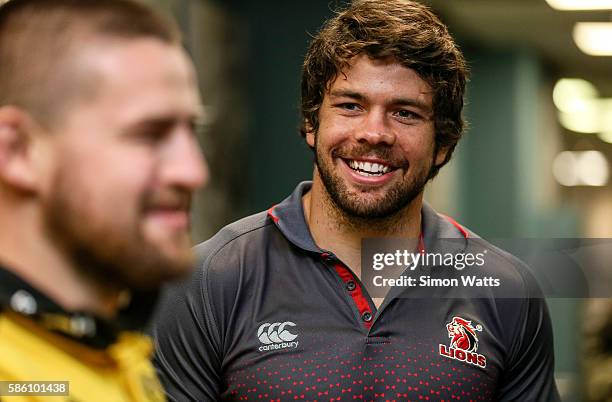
{"type": "Point", "coordinates": [17, 164]}
{"type": "Point", "coordinates": [441, 155]}
{"type": "Point", "coordinates": [310, 134]}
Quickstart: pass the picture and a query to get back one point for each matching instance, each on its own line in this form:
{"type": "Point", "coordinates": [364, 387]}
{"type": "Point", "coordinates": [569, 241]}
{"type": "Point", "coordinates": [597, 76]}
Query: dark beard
{"type": "Point", "coordinates": [114, 256]}
{"type": "Point", "coordinates": [393, 202]}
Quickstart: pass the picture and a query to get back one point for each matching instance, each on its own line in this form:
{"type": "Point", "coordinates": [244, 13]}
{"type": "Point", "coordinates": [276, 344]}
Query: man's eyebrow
{"type": "Point", "coordinates": [161, 123]}
{"type": "Point", "coordinates": [148, 125]}
{"type": "Point", "coordinates": [340, 93]}
{"type": "Point", "coordinates": [412, 102]}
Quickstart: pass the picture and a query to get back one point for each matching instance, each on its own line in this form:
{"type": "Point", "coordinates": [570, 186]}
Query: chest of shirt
{"type": "Point", "coordinates": [299, 332]}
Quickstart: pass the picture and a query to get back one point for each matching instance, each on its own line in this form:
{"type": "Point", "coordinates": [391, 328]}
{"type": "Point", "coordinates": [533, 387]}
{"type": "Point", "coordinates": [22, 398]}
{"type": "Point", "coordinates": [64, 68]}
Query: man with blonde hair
{"type": "Point", "coordinates": [98, 163]}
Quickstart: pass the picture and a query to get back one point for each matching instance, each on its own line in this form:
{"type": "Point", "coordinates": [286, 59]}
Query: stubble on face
{"type": "Point", "coordinates": [109, 250]}
{"type": "Point", "coordinates": [351, 204]}
{"type": "Point", "coordinates": [380, 111]}
{"type": "Point", "coordinates": [115, 208]}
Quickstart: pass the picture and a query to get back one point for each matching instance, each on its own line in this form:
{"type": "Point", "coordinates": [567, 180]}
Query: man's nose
{"type": "Point", "coordinates": [185, 165]}
{"type": "Point", "coordinates": [375, 129]}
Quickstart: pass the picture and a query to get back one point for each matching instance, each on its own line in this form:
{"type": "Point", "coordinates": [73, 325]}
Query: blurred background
{"type": "Point", "coordinates": [534, 163]}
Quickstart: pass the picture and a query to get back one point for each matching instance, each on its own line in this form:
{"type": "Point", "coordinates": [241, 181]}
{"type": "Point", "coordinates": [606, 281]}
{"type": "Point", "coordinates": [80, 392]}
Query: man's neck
{"type": "Point", "coordinates": [29, 254]}
{"type": "Point", "coordinates": [332, 230]}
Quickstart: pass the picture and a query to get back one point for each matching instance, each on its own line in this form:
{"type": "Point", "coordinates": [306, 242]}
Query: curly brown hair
{"type": "Point", "coordinates": [401, 29]}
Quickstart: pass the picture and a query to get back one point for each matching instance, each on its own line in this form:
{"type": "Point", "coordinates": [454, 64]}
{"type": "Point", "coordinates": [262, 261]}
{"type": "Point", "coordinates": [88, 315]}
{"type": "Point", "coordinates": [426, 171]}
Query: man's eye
{"type": "Point", "coordinates": [150, 137]}
{"type": "Point", "coordinates": [351, 107]}
{"type": "Point", "coordinates": [407, 114]}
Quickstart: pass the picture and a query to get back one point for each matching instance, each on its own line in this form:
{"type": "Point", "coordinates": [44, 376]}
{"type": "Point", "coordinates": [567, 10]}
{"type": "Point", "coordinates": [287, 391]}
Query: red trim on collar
{"type": "Point", "coordinates": [357, 294]}
{"type": "Point", "coordinates": [271, 214]}
{"type": "Point", "coordinates": [421, 243]}
{"type": "Point", "coordinates": [458, 226]}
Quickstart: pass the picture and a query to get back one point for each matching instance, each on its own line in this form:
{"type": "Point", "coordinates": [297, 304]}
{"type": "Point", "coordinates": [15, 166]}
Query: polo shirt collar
{"type": "Point", "coordinates": [290, 219]}
{"type": "Point", "coordinates": [20, 297]}
{"type": "Point", "coordinates": [440, 233]}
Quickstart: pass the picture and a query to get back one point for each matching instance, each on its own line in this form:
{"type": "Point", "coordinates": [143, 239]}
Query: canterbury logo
{"type": "Point", "coordinates": [268, 333]}
{"type": "Point", "coordinates": [276, 336]}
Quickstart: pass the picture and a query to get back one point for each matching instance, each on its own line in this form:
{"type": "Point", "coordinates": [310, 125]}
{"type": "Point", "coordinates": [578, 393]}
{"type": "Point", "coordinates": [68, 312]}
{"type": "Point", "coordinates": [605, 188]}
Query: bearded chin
{"type": "Point", "coordinates": [354, 207]}
{"type": "Point", "coordinates": [110, 254]}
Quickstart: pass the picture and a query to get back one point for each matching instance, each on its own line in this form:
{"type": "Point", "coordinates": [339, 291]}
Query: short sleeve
{"type": "Point", "coordinates": [188, 357]}
{"type": "Point", "coordinates": [529, 374]}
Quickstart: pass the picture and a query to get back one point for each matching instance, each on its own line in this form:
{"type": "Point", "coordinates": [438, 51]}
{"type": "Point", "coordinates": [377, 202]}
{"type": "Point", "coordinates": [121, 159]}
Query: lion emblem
{"type": "Point", "coordinates": [463, 334]}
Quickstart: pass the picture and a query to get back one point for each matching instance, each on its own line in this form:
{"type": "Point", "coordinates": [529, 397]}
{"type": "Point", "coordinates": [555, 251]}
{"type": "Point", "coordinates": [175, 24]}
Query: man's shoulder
{"type": "Point", "coordinates": [516, 276]}
{"type": "Point", "coordinates": [236, 233]}
{"type": "Point", "coordinates": [237, 245]}
{"type": "Point", "coordinates": [31, 352]}
{"type": "Point", "coordinates": [226, 262]}
{"type": "Point", "coordinates": [452, 235]}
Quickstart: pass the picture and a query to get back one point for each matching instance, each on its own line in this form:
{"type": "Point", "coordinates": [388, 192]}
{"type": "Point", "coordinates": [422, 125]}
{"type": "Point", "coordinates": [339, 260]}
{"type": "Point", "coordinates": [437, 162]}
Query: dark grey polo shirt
{"type": "Point", "coordinates": [269, 316]}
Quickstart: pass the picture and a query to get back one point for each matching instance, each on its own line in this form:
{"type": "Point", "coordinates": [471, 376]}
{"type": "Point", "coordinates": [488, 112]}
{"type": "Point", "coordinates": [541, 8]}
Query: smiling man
{"type": "Point", "coordinates": [278, 308]}
{"type": "Point", "coordinates": [98, 162]}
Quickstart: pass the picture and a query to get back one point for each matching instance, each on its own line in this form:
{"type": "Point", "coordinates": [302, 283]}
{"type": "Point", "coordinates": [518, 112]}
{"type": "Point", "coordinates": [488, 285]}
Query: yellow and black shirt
{"type": "Point", "coordinates": [101, 360]}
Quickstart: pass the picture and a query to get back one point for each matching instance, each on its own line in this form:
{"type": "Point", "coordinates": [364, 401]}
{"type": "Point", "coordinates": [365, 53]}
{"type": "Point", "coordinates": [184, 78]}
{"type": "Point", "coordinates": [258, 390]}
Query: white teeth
{"type": "Point", "coordinates": [377, 167]}
{"type": "Point", "coordinates": [369, 169]}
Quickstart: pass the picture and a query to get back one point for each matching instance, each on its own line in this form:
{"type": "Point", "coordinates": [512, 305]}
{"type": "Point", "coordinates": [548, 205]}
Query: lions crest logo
{"type": "Point", "coordinates": [463, 334]}
{"type": "Point", "coordinates": [464, 342]}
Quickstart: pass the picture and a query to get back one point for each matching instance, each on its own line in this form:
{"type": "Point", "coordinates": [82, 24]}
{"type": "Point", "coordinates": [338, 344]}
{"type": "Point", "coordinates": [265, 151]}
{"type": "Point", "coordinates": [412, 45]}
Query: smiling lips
{"type": "Point", "coordinates": [369, 169]}
{"type": "Point", "coordinates": [172, 218]}
{"type": "Point", "coordinates": [170, 208]}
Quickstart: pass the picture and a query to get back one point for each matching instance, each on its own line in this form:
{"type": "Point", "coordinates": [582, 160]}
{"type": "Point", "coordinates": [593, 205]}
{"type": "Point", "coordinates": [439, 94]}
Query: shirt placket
{"type": "Point", "coordinates": [354, 289]}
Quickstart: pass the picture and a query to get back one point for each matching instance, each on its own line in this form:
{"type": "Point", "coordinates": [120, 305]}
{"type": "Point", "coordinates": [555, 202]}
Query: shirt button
{"type": "Point", "coordinates": [367, 316]}
{"type": "Point", "coordinates": [350, 286]}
